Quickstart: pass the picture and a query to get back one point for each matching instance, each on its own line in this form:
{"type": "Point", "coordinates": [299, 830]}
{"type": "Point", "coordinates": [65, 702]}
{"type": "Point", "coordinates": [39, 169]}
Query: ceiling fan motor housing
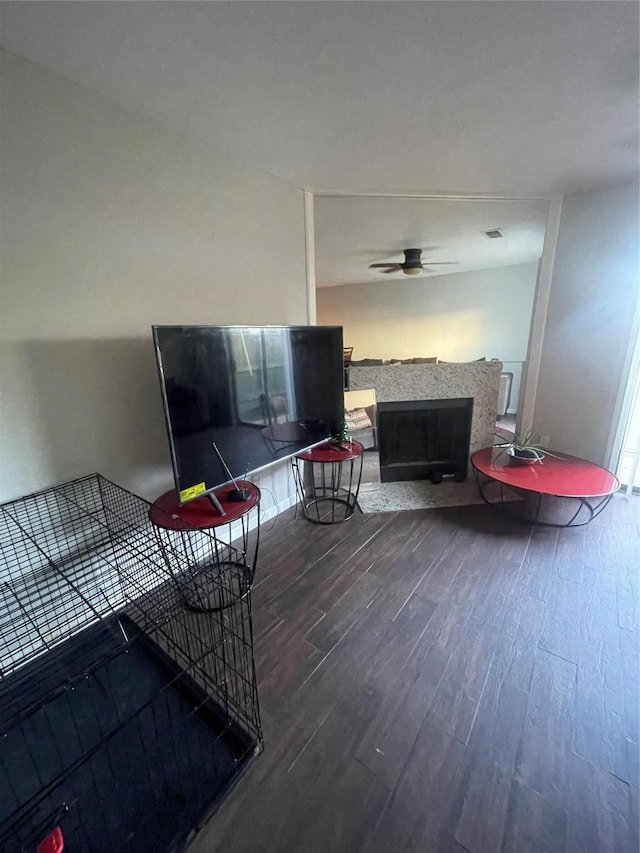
{"type": "Point", "coordinates": [412, 261]}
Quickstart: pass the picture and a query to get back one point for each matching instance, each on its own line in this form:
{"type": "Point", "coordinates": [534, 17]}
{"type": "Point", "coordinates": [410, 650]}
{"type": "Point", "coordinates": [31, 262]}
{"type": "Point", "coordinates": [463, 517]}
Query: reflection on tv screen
{"type": "Point", "coordinates": [238, 398]}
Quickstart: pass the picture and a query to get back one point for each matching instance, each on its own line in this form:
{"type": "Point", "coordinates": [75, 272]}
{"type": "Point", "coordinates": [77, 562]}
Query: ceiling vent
{"type": "Point", "coordinates": [493, 234]}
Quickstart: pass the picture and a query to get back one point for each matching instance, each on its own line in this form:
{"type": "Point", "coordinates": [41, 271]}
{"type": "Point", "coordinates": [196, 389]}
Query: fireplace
{"type": "Point", "coordinates": [424, 439]}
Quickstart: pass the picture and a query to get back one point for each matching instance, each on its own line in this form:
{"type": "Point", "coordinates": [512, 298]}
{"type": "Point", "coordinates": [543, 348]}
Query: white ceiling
{"type": "Point", "coordinates": [461, 97]}
{"type": "Point", "coordinates": [353, 232]}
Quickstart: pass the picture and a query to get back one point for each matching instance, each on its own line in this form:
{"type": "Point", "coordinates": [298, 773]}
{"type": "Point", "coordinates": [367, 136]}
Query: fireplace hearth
{"type": "Point", "coordinates": [424, 439]}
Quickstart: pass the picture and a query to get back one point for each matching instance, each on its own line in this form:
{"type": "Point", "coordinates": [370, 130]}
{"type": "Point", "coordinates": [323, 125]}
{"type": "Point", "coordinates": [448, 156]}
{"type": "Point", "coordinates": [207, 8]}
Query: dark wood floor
{"type": "Point", "coordinates": [444, 680]}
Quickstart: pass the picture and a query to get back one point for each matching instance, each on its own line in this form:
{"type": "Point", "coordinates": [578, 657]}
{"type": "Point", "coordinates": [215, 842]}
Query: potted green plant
{"type": "Point", "coordinates": [342, 438]}
{"type": "Point", "coordinates": [525, 450]}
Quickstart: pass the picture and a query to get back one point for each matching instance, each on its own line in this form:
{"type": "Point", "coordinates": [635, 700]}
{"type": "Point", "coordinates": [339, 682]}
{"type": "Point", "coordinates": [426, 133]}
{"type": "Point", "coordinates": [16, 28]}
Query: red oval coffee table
{"type": "Point", "coordinates": [557, 480]}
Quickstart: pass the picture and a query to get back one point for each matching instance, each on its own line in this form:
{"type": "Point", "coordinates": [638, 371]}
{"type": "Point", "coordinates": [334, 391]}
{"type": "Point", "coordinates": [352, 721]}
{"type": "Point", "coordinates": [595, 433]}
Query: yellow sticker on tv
{"type": "Point", "coordinates": [192, 492]}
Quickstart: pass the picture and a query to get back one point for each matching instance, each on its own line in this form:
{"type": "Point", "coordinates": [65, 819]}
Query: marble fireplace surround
{"type": "Point", "coordinates": [477, 379]}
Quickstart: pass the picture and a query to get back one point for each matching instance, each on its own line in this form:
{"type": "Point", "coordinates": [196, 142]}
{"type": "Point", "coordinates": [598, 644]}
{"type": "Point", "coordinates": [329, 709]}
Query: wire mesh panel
{"type": "Point", "coordinates": [125, 715]}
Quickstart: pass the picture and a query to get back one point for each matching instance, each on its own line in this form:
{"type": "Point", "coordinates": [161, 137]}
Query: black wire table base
{"type": "Point", "coordinates": [330, 508]}
{"type": "Point", "coordinates": [216, 587]}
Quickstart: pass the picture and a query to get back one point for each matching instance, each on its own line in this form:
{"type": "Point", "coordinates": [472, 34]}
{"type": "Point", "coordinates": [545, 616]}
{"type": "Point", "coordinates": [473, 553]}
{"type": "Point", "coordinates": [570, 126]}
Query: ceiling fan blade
{"type": "Point", "coordinates": [389, 267]}
{"type": "Point", "coordinates": [442, 263]}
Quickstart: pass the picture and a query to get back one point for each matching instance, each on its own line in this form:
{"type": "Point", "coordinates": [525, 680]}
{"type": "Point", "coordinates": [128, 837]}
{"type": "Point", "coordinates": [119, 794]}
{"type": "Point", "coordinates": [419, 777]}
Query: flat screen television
{"type": "Point", "coordinates": [239, 398]}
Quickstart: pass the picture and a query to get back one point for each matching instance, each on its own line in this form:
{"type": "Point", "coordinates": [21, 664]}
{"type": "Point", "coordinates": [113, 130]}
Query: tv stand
{"type": "Point", "coordinates": [214, 500]}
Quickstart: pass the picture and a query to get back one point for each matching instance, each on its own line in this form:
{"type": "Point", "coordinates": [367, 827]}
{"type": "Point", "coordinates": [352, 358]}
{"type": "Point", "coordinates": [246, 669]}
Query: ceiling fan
{"type": "Point", "coordinates": [412, 264]}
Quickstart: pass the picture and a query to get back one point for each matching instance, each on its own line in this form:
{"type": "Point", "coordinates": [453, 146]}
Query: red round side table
{"type": "Point", "coordinates": [328, 481]}
{"type": "Point", "coordinates": [211, 557]}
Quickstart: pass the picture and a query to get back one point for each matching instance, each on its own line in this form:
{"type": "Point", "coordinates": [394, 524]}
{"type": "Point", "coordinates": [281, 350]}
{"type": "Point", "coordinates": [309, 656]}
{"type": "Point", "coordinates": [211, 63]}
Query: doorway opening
{"type": "Point", "coordinates": [628, 467]}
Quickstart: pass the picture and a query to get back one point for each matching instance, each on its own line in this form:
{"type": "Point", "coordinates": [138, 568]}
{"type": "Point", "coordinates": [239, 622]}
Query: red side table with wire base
{"type": "Point", "coordinates": [541, 493]}
{"type": "Point", "coordinates": [221, 551]}
{"type": "Point", "coordinates": [328, 481]}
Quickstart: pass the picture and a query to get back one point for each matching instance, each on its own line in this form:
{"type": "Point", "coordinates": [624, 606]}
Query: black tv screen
{"type": "Point", "coordinates": [238, 398]}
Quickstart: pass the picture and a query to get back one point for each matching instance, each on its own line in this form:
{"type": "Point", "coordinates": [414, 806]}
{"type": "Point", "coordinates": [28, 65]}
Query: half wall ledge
{"type": "Point", "coordinates": [479, 380]}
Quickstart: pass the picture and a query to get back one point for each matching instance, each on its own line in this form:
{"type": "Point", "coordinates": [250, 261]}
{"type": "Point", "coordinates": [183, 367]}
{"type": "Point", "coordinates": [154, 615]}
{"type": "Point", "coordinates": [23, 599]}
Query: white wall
{"type": "Point", "coordinates": [110, 224]}
{"type": "Point", "coordinates": [595, 290]}
{"type": "Point", "coordinates": [457, 317]}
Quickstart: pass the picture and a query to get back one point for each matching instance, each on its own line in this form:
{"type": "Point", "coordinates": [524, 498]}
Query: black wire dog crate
{"type": "Point", "coordinates": [126, 715]}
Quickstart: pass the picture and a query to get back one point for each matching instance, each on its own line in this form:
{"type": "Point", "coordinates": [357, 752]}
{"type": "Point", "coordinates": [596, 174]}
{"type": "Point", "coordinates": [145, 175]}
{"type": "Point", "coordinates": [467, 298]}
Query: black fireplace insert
{"type": "Point", "coordinates": [424, 439]}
